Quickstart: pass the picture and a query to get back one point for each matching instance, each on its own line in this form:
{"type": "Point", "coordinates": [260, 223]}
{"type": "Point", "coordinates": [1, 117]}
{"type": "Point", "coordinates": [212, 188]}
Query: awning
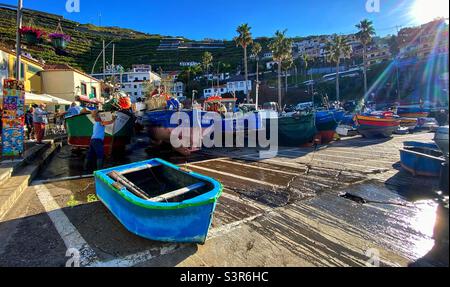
{"type": "Point", "coordinates": [31, 98]}
{"type": "Point", "coordinates": [88, 100]}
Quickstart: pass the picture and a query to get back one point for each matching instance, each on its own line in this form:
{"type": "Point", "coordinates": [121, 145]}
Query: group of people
{"type": "Point", "coordinates": [36, 119]}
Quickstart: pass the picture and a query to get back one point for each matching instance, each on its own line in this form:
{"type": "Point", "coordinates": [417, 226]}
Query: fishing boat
{"type": "Point", "coordinates": [377, 124]}
{"type": "Point", "coordinates": [160, 201]}
{"type": "Point", "coordinates": [117, 136]}
{"type": "Point", "coordinates": [441, 139]}
{"type": "Point", "coordinates": [328, 120]}
{"type": "Point", "coordinates": [413, 111]}
{"type": "Point", "coordinates": [296, 129]}
{"type": "Point", "coordinates": [421, 159]}
{"type": "Point", "coordinates": [409, 123]}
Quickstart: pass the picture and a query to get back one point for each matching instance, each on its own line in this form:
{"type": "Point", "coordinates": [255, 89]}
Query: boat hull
{"type": "Point", "coordinates": [117, 136]}
{"type": "Point", "coordinates": [160, 128]}
{"type": "Point", "coordinates": [185, 222]}
{"type": "Point", "coordinates": [370, 126]}
{"type": "Point", "coordinates": [441, 139]}
{"type": "Point", "coordinates": [419, 162]}
{"type": "Point", "coordinates": [296, 131]}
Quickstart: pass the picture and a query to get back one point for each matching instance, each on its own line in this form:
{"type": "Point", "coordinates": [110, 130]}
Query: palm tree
{"type": "Point", "coordinates": [244, 39]}
{"type": "Point", "coordinates": [286, 65]}
{"type": "Point", "coordinates": [305, 61]}
{"type": "Point", "coordinates": [206, 63]}
{"type": "Point", "coordinates": [335, 51]}
{"type": "Point", "coordinates": [256, 50]}
{"type": "Point", "coordinates": [364, 35]}
{"type": "Point", "coordinates": [281, 49]}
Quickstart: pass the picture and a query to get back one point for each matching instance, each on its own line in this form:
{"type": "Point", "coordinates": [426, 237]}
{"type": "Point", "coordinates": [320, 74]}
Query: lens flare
{"type": "Point", "coordinates": [423, 11]}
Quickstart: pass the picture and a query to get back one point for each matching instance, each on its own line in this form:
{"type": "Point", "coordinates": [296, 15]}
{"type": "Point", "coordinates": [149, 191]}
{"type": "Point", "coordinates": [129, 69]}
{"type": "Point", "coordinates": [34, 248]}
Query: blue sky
{"type": "Point", "coordinates": [198, 19]}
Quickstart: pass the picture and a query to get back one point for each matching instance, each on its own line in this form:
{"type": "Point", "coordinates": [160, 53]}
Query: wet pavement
{"type": "Point", "coordinates": [285, 211]}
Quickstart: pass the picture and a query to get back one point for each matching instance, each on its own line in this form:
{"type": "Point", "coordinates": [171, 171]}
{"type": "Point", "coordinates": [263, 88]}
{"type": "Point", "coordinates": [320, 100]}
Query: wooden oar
{"type": "Point", "coordinates": [120, 179]}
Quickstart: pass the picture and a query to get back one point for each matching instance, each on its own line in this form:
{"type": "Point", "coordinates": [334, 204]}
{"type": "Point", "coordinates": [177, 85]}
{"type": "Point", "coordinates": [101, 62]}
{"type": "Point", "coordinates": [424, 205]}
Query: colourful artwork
{"type": "Point", "coordinates": [13, 119]}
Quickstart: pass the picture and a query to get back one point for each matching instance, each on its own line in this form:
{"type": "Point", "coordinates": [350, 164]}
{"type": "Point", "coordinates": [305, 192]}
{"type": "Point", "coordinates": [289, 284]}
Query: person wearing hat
{"type": "Point", "coordinates": [96, 148]}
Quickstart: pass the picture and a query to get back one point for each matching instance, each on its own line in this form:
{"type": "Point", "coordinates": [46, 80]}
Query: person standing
{"type": "Point", "coordinates": [96, 147]}
{"type": "Point", "coordinates": [29, 123]}
{"type": "Point", "coordinates": [39, 122]}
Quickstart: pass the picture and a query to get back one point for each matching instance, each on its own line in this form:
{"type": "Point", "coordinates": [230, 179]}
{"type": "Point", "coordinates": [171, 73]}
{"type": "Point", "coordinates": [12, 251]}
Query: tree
{"type": "Point", "coordinates": [364, 35]}
{"type": "Point", "coordinates": [286, 65]}
{"type": "Point", "coordinates": [256, 50]}
{"type": "Point", "coordinates": [335, 51]}
{"type": "Point", "coordinates": [244, 39]}
{"type": "Point", "coordinates": [281, 48]}
{"type": "Point", "coordinates": [206, 62]}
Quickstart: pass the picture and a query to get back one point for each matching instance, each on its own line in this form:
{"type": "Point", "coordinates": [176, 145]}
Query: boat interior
{"type": "Point", "coordinates": [160, 183]}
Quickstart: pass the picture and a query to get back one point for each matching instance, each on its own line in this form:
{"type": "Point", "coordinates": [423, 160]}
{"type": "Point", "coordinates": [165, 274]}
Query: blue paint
{"type": "Point", "coordinates": [186, 221]}
{"type": "Point", "coordinates": [421, 159]}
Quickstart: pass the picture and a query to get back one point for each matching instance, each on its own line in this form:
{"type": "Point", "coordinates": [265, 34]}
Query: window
{"type": "Point", "coordinates": [83, 89]}
{"type": "Point", "coordinates": [135, 86]}
{"type": "Point", "coordinates": [135, 93]}
{"type": "Point", "coordinates": [136, 79]}
{"type": "Point", "coordinates": [22, 70]}
{"type": "Point", "coordinates": [93, 93]}
{"type": "Point", "coordinates": [145, 78]}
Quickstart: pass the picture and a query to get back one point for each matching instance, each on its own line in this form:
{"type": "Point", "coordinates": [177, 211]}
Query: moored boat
{"type": "Point", "coordinates": [413, 111]}
{"type": "Point", "coordinates": [409, 123]}
{"type": "Point", "coordinates": [377, 124]}
{"type": "Point", "coordinates": [117, 136]}
{"type": "Point", "coordinates": [421, 159]}
{"type": "Point", "coordinates": [297, 129]}
{"type": "Point", "coordinates": [441, 139]}
{"type": "Point", "coordinates": [157, 200]}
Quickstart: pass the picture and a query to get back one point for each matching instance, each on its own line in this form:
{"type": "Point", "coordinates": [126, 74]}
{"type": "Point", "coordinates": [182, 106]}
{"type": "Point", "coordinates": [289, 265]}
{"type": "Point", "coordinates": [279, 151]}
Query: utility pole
{"type": "Point", "coordinates": [18, 46]}
{"type": "Point", "coordinates": [396, 68]}
{"type": "Point", "coordinates": [104, 60]}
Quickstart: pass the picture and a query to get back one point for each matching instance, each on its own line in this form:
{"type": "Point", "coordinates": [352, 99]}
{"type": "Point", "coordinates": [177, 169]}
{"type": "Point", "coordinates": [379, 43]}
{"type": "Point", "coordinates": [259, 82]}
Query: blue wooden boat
{"type": "Point", "coordinates": [328, 120]}
{"type": "Point", "coordinates": [157, 200]}
{"type": "Point", "coordinates": [421, 159]}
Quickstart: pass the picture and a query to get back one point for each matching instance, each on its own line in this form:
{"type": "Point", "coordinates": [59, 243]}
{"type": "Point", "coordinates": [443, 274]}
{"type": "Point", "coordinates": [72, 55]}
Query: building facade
{"type": "Point", "coordinates": [134, 81]}
{"type": "Point", "coordinates": [68, 83]}
{"type": "Point", "coordinates": [30, 70]}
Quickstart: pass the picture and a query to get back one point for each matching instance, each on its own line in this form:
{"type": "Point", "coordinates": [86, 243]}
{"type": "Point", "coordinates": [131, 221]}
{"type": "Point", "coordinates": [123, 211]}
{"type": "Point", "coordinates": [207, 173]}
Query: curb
{"type": "Point", "coordinates": [13, 187]}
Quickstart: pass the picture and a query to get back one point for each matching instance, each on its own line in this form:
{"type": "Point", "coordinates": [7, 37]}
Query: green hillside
{"type": "Point", "coordinates": [132, 47]}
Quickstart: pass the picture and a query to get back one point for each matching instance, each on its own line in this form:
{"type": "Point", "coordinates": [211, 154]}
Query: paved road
{"type": "Point", "coordinates": [285, 211]}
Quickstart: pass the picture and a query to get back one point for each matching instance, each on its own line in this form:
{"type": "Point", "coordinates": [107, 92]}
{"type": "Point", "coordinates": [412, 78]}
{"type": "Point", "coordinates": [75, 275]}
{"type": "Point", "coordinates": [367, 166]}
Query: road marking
{"type": "Point", "coordinates": [137, 258]}
{"type": "Point", "coordinates": [69, 234]}
{"type": "Point", "coordinates": [257, 167]}
{"type": "Point", "coordinates": [236, 176]}
{"type": "Point", "coordinates": [340, 156]}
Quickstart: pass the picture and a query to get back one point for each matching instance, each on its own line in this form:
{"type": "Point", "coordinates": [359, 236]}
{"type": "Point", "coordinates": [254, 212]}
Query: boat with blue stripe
{"type": "Point", "coordinates": [160, 201]}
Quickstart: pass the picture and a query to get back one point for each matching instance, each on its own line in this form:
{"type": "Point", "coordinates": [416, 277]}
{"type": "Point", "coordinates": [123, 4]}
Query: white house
{"type": "Point", "coordinates": [133, 81]}
{"type": "Point", "coordinates": [237, 84]}
{"type": "Point", "coordinates": [215, 91]}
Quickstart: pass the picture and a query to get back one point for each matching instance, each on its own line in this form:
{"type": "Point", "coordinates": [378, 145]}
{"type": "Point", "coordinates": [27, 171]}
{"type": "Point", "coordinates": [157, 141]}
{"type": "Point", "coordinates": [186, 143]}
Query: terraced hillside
{"type": "Point", "coordinates": [132, 47]}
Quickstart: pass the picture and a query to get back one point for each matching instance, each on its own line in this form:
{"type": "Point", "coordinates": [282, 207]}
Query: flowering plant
{"type": "Point", "coordinates": [30, 30]}
{"type": "Point", "coordinates": [60, 36]}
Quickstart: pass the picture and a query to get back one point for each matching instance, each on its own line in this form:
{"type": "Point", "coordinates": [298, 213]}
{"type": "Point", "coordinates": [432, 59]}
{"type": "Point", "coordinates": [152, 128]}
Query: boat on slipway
{"type": "Point", "coordinates": [294, 129]}
{"type": "Point", "coordinates": [413, 111]}
{"type": "Point", "coordinates": [117, 135]}
{"type": "Point", "coordinates": [160, 201]}
{"type": "Point", "coordinates": [377, 124]}
{"type": "Point", "coordinates": [422, 159]}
